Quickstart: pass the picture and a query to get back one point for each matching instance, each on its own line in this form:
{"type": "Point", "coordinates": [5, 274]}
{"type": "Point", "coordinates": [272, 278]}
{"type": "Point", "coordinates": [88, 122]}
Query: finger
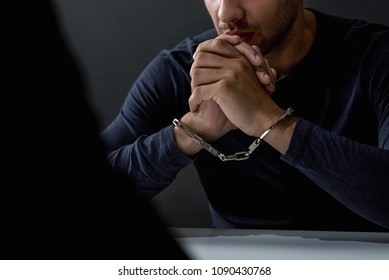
{"type": "Point", "coordinates": [252, 53]}
{"type": "Point", "coordinates": [230, 47]}
{"type": "Point", "coordinates": [244, 48]}
{"type": "Point", "coordinates": [258, 50]}
{"type": "Point", "coordinates": [217, 46]}
{"type": "Point", "coordinates": [266, 64]}
{"type": "Point", "coordinates": [265, 80]}
{"type": "Point", "coordinates": [270, 88]}
{"type": "Point", "coordinates": [232, 39]}
{"type": "Point", "coordinates": [199, 94]}
{"type": "Point", "coordinates": [263, 77]}
{"type": "Point", "coordinates": [270, 72]}
{"type": "Point", "coordinates": [274, 72]}
{"type": "Point", "coordinates": [205, 76]}
{"type": "Point", "coordinates": [208, 60]}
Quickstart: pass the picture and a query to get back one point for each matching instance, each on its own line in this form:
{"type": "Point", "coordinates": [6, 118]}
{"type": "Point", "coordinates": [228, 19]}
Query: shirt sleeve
{"type": "Point", "coordinates": [354, 173]}
{"type": "Point", "coordinates": [140, 142]}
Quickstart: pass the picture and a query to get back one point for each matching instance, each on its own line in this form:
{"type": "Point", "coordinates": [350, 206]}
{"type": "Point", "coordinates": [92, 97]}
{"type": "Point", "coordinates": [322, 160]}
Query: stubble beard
{"type": "Point", "coordinates": [279, 33]}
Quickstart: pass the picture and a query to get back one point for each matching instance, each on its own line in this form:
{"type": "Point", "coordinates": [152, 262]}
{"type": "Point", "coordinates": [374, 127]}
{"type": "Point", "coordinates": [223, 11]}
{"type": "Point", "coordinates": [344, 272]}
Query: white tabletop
{"type": "Point", "coordinates": [212, 244]}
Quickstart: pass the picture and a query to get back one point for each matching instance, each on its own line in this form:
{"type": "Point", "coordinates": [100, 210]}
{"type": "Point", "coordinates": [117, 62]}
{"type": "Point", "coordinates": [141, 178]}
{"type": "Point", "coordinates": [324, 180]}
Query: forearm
{"type": "Point", "coordinates": [152, 162]}
{"type": "Point", "coordinates": [355, 174]}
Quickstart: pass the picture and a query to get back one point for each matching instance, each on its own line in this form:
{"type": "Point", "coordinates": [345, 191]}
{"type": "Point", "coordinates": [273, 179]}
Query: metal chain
{"type": "Point", "coordinates": [239, 155]}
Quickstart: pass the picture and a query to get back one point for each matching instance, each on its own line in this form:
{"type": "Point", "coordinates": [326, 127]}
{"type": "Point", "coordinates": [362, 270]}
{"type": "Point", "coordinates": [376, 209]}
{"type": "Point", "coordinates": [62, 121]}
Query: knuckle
{"type": "Point", "coordinates": [194, 72]}
{"type": "Point", "coordinates": [201, 55]}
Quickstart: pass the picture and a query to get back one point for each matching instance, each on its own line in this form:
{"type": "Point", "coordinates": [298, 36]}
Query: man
{"type": "Point", "coordinates": [308, 150]}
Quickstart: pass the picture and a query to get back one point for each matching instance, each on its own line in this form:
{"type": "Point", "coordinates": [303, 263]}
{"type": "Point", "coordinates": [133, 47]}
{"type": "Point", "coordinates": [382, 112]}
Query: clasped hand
{"type": "Point", "coordinates": [231, 87]}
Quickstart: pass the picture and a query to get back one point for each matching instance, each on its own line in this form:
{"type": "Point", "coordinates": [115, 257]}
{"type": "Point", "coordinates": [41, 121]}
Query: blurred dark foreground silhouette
{"type": "Point", "coordinates": [59, 199]}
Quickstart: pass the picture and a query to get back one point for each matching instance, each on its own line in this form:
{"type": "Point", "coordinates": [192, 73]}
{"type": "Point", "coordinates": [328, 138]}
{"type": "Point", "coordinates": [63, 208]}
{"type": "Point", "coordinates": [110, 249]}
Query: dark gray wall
{"type": "Point", "coordinates": [370, 10]}
{"type": "Point", "coordinates": [114, 40]}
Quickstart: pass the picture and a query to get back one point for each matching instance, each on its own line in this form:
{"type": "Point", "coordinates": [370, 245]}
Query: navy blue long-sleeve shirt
{"type": "Point", "coordinates": [335, 174]}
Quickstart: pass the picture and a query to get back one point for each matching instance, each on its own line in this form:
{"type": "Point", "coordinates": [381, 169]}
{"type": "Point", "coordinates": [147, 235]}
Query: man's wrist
{"type": "Point", "coordinates": [281, 135]}
{"type": "Point", "coordinates": [187, 145]}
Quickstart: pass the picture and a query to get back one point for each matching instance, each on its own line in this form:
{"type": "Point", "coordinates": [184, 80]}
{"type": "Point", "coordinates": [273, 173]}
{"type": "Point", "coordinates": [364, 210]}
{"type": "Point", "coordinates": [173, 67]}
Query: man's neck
{"type": "Point", "coordinates": [295, 46]}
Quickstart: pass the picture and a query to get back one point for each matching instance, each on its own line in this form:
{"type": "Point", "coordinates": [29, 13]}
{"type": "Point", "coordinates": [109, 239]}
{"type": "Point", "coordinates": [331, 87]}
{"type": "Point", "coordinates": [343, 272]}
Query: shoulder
{"type": "Point", "coordinates": [358, 49]}
{"type": "Point", "coordinates": [190, 44]}
{"type": "Point", "coordinates": [341, 30]}
{"type": "Point", "coordinates": [182, 53]}
{"type": "Point", "coordinates": [351, 41]}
